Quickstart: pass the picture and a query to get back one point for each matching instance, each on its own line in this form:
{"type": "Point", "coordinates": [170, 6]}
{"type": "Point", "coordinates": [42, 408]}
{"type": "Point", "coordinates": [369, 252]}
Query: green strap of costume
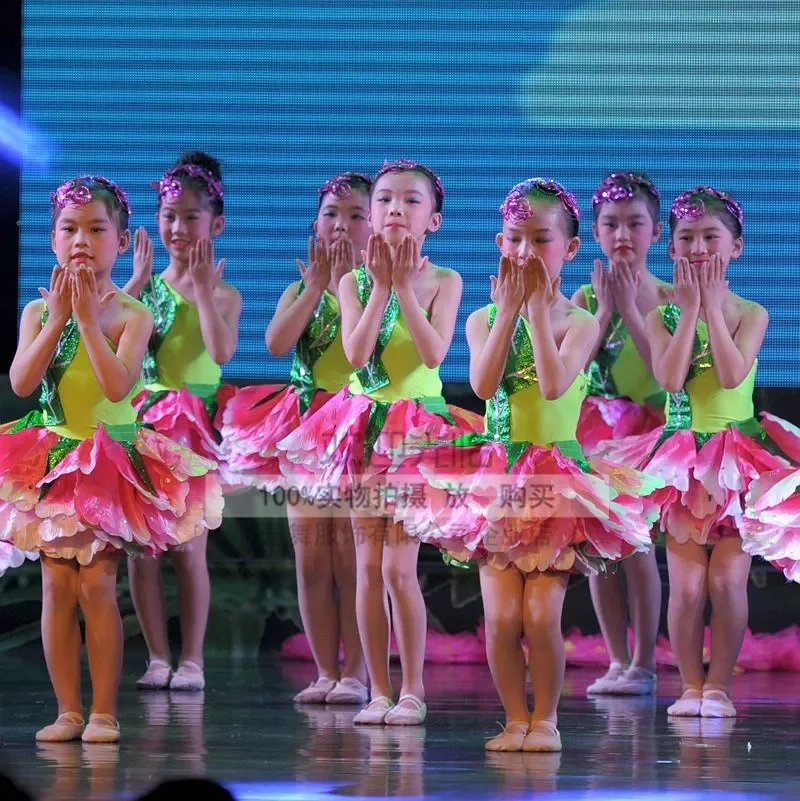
{"type": "Point", "coordinates": [319, 334]}
{"type": "Point", "coordinates": [64, 353]}
{"type": "Point", "coordinates": [373, 376]}
{"type": "Point", "coordinates": [599, 379]}
{"type": "Point", "coordinates": [519, 373]}
{"type": "Point", "coordinates": [163, 304]}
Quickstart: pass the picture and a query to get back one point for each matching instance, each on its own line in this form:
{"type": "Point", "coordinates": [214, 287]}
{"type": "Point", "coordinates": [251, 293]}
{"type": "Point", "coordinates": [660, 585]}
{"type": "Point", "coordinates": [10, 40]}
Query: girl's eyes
{"type": "Point", "coordinates": [359, 217]}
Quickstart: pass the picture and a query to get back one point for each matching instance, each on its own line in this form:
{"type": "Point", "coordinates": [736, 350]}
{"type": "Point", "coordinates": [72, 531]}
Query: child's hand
{"type": "Point", "coordinates": [342, 258]}
{"type": "Point", "coordinates": [59, 297]}
{"type": "Point", "coordinates": [204, 275]}
{"type": "Point", "coordinates": [378, 260]}
{"type": "Point", "coordinates": [713, 284]}
{"type": "Point", "coordinates": [542, 291]}
{"type": "Point", "coordinates": [142, 257]}
{"type": "Point", "coordinates": [601, 283]}
{"type": "Point", "coordinates": [685, 287]}
{"type": "Point", "coordinates": [86, 302]}
{"type": "Point", "coordinates": [317, 275]}
{"type": "Point", "coordinates": [624, 285]}
{"type": "Point", "coordinates": [508, 286]}
{"type": "Point", "coordinates": [407, 263]}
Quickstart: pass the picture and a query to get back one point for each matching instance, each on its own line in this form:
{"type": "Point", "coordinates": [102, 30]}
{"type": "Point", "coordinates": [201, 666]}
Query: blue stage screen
{"type": "Point", "coordinates": [486, 93]}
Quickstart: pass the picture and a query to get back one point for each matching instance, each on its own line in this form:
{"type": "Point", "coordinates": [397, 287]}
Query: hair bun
{"type": "Point", "coordinates": [201, 159]}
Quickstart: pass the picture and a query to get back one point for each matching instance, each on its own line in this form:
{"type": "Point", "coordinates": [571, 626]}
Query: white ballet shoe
{"type": "Point", "coordinates": [688, 705]}
{"type": "Point", "coordinates": [374, 713]}
{"type": "Point", "coordinates": [605, 684]}
{"type": "Point", "coordinates": [156, 677]}
{"type": "Point", "coordinates": [101, 729]}
{"type": "Point", "coordinates": [348, 691]}
{"type": "Point", "coordinates": [542, 736]}
{"type": "Point", "coordinates": [510, 739]}
{"type": "Point", "coordinates": [412, 714]}
{"type": "Point", "coordinates": [67, 726]}
{"type": "Point", "coordinates": [635, 681]}
{"type": "Point", "coordinates": [316, 692]}
{"type": "Point", "coordinates": [188, 678]}
{"type": "Point", "coordinates": [716, 703]}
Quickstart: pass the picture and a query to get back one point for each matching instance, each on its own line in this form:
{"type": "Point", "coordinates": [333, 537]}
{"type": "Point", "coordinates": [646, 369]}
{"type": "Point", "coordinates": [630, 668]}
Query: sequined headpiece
{"type": "Point", "coordinates": [622, 186]}
{"type": "Point", "coordinates": [340, 185]}
{"type": "Point", "coordinates": [690, 206]}
{"type": "Point", "coordinates": [517, 207]}
{"type": "Point", "coordinates": [76, 193]}
{"type": "Point", "coordinates": [170, 187]}
{"type": "Point", "coordinates": [406, 164]}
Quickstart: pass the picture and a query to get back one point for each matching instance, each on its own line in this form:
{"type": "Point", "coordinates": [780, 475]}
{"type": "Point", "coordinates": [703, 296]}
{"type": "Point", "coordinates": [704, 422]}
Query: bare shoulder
{"type": "Point", "coordinates": [445, 277]}
{"type": "Point", "coordinates": [133, 310]}
{"type": "Point", "coordinates": [575, 313]}
{"type": "Point", "coordinates": [478, 317]}
{"type": "Point", "coordinates": [750, 310]}
{"type": "Point", "coordinates": [227, 293]}
{"type": "Point", "coordinates": [33, 309]}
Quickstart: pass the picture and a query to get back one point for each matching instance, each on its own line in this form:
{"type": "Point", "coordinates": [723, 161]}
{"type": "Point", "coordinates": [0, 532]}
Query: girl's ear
{"type": "Point", "coordinates": [738, 247]}
{"type": "Point", "coordinates": [572, 248]}
{"type": "Point", "coordinates": [435, 223]}
{"type": "Point", "coordinates": [124, 242]}
{"type": "Point", "coordinates": [218, 225]}
{"type": "Point", "coordinates": [657, 231]}
{"type": "Point", "coordinates": [499, 241]}
{"type": "Point", "coordinates": [671, 249]}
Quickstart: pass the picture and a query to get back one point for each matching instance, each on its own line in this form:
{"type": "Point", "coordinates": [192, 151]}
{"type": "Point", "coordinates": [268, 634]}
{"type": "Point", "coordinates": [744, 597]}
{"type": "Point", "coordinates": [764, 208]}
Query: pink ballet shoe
{"type": "Point", "coordinates": [412, 714]}
{"type": "Point", "coordinates": [316, 692]}
{"type": "Point", "coordinates": [542, 736]}
{"type": "Point", "coordinates": [101, 729]}
{"type": "Point", "coordinates": [374, 713]}
{"type": "Point", "coordinates": [716, 703]}
{"type": "Point", "coordinates": [635, 681]}
{"type": "Point", "coordinates": [188, 678]}
{"type": "Point", "coordinates": [605, 684]}
{"type": "Point", "coordinates": [348, 691]}
{"type": "Point", "coordinates": [67, 726]}
{"type": "Point", "coordinates": [510, 739]}
{"type": "Point", "coordinates": [688, 705]}
{"type": "Point", "coordinates": [156, 677]}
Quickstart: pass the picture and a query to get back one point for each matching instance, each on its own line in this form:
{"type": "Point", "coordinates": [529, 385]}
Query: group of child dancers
{"type": "Point", "coordinates": [615, 420]}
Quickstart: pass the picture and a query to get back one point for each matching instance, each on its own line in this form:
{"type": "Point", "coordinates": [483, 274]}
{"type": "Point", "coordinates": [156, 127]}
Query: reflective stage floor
{"type": "Point", "coordinates": [245, 732]}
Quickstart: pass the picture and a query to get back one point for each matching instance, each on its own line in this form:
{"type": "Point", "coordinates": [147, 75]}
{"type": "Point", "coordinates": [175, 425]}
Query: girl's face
{"type": "Point", "coordinates": [403, 203]}
{"type": "Point", "coordinates": [540, 235]}
{"type": "Point", "coordinates": [625, 231]}
{"type": "Point", "coordinates": [344, 218]}
{"type": "Point", "coordinates": [184, 221]}
{"type": "Point", "coordinates": [697, 240]}
{"type": "Point", "coordinates": [88, 235]}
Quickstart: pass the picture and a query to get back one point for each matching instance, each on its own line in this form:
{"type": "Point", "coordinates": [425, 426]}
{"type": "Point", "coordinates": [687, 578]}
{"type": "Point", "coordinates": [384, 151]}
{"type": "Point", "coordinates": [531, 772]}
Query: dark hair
{"type": "Point", "coordinates": [702, 200]}
{"type": "Point", "coordinates": [101, 190]}
{"type": "Point", "coordinates": [404, 165]}
{"type": "Point", "coordinates": [196, 183]}
{"type": "Point", "coordinates": [618, 186]}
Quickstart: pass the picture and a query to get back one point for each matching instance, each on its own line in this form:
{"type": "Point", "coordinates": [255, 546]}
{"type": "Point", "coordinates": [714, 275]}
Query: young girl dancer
{"type": "Point", "coordinates": [398, 315]}
{"type": "Point", "coordinates": [81, 479]}
{"type": "Point", "coordinates": [258, 417]}
{"type": "Point", "coordinates": [196, 327]}
{"type": "Point", "coordinates": [528, 507]}
{"type": "Point", "coordinates": [703, 347]}
{"type": "Point", "coordinates": [623, 399]}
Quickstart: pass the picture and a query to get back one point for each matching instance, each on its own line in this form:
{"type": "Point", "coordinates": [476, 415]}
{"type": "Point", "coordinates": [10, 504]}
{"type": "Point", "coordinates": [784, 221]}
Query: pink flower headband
{"type": "Point", "coordinates": [340, 185]}
{"type": "Point", "coordinates": [407, 164]}
{"type": "Point", "coordinates": [76, 193]}
{"type": "Point", "coordinates": [170, 186]}
{"type": "Point", "coordinates": [689, 206]}
{"type": "Point", "coordinates": [516, 207]}
{"type": "Point", "coordinates": [622, 186]}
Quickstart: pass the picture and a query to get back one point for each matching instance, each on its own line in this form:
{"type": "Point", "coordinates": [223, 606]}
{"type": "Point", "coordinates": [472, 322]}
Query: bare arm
{"type": "Point", "coordinates": [142, 264]}
{"type": "Point", "coordinates": [361, 325]}
{"type": "Point", "coordinates": [734, 355]}
{"type": "Point", "coordinates": [219, 312]}
{"type": "Point", "coordinates": [488, 349]}
{"type": "Point", "coordinates": [291, 318]}
{"type": "Point", "coordinates": [671, 353]}
{"type": "Point", "coordinates": [35, 349]}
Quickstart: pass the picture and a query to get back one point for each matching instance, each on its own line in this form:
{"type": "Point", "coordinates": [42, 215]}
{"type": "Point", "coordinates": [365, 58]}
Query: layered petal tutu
{"type": "Point", "coordinates": [345, 447]}
{"type": "Point", "coordinates": [254, 421]}
{"type": "Point", "coordinates": [11, 557]}
{"type": "Point", "coordinates": [706, 477]}
{"type": "Point", "coordinates": [71, 499]}
{"type": "Point", "coordinates": [521, 504]}
{"type": "Point", "coordinates": [613, 418]}
{"type": "Point", "coordinates": [770, 526]}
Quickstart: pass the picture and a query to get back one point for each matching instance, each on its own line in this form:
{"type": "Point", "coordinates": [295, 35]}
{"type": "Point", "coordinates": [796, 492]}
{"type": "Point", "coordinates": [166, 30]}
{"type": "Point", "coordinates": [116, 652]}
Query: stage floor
{"type": "Point", "coordinates": [245, 732]}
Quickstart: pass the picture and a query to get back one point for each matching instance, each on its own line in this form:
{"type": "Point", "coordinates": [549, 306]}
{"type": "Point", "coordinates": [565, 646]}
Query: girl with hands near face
{"type": "Point", "coordinates": [398, 316]}
{"type": "Point", "coordinates": [308, 319]}
{"type": "Point", "coordinates": [704, 343]}
{"type": "Point", "coordinates": [527, 498]}
{"type": "Point", "coordinates": [84, 342]}
{"type": "Point", "coordinates": [624, 398]}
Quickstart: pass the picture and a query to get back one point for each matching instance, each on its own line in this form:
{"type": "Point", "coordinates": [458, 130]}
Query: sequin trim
{"type": "Point", "coordinates": [163, 304]}
{"type": "Point", "coordinates": [65, 351]}
{"type": "Point", "coordinates": [600, 381]}
{"type": "Point", "coordinates": [373, 376]}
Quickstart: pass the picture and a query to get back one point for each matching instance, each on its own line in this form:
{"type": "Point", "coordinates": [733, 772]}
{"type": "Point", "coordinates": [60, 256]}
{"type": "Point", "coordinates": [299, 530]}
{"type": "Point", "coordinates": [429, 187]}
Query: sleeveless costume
{"type": "Point", "coordinates": [182, 398]}
{"type": "Point", "coordinates": [623, 398]}
{"type": "Point", "coordinates": [710, 452]}
{"type": "Point", "coordinates": [522, 492]}
{"type": "Point", "coordinates": [257, 418]}
{"type": "Point", "coordinates": [343, 448]}
{"type": "Point", "coordinates": [80, 475]}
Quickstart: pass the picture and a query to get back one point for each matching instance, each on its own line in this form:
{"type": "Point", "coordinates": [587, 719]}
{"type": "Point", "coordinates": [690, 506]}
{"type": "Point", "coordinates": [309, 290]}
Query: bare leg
{"type": "Point", "coordinates": [194, 597]}
{"type": "Point", "coordinates": [503, 594]}
{"type": "Point", "coordinates": [147, 591]}
{"type": "Point", "coordinates": [541, 619]}
{"type": "Point", "coordinates": [104, 637]}
{"type": "Point", "coordinates": [372, 613]}
{"type": "Point", "coordinates": [399, 569]}
{"type": "Point", "coordinates": [344, 574]}
{"type": "Point", "coordinates": [608, 598]}
{"type": "Point", "coordinates": [61, 635]}
{"type": "Point", "coordinates": [311, 531]}
{"type": "Point", "coordinates": [644, 601]}
{"type": "Point", "coordinates": [728, 572]}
